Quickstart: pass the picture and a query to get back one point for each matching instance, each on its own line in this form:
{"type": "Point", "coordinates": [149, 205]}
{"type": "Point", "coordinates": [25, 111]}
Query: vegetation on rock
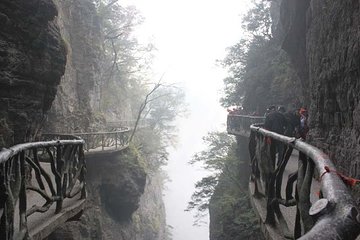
{"type": "Point", "coordinates": [224, 192]}
{"type": "Point", "coordinates": [260, 73]}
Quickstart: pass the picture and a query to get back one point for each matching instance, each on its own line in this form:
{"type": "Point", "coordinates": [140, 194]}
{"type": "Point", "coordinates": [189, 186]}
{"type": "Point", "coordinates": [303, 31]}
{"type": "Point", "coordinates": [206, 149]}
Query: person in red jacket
{"type": "Point", "coordinates": [304, 128]}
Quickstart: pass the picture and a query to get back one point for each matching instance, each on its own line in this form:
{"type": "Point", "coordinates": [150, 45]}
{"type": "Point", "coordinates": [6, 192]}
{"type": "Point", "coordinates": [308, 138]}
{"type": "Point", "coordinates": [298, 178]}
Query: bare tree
{"type": "Point", "coordinates": [151, 97]}
{"type": "Point", "coordinates": [143, 106]}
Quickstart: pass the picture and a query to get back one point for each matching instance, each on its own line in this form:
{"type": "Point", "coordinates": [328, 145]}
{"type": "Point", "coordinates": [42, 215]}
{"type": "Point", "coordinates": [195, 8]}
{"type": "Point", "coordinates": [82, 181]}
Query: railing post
{"type": "Point", "coordinates": [58, 179]}
{"type": "Point", "coordinates": [82, 178]}
{"type": "Point", "coordinates": [116, 136]}
{"type": "Point", "coordinates": [22, 198]}
{"type": "Point", "coordinates": [4, 226]}
{"type": "Point", "coordinates": [87, 143]}
{"type": "Point", "coordinates": [305, 174]}
{"type": "Point", "coordinates": [102, 141]}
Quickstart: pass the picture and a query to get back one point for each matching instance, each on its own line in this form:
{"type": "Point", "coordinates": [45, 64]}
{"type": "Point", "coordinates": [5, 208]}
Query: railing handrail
{"type": "Point", "coordinates": [61, 136]}
{"type": "Point", "coordinates": [101, 133]}
{"type": "Point", "coordinates": [107, 139]}
{"type": "Point", "coordinates": [320, 159]}
{"type": "Point", "coordinates": [77, 134]}
{"type": "Point", "coordinates": [7, 153]}
{"type": "Point", "coordinates": [247, 116]}
{"type": "Point", "coordinates": [242, 127]}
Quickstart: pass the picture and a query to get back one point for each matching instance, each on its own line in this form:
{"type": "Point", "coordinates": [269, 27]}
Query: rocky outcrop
{"type": "Point", "coordinates": [77, 98]}
{"type": "Point", "coordinates": [32, 61]}
{"type": "Point", "coordinates": [325, 38]}
{"type": "Point", "coordinates": [123, 204]}
{"type": "Point", "coordinates": [119, 205]}
{"type": "Point", "coordinates": [115, 184]}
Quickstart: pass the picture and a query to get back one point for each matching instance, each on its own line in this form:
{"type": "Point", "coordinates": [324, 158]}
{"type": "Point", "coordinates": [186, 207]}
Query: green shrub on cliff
{"type": "Point", "coordinates": [216, 160]}
{"type": "Point", "coordinates": [223, 191]}
{"type": "Point", "coordinates": [231, 215]}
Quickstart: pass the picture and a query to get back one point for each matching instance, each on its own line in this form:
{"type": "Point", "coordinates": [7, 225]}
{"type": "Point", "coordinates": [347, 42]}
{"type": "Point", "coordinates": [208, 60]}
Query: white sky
{"type": "Point", "coordinates": [190, 36]}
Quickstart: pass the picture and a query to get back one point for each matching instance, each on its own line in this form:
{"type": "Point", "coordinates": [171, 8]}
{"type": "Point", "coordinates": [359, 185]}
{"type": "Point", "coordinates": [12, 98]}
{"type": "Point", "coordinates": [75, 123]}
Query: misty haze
{"type": "Point", "coordinates": [179, 120]}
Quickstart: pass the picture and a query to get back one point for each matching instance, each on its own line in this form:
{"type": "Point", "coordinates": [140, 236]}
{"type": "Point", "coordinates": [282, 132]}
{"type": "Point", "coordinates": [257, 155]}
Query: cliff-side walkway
{"type": "Point", "coordinates": [44, 182]}
{"type": "Point", "coordinates": [300, 195]}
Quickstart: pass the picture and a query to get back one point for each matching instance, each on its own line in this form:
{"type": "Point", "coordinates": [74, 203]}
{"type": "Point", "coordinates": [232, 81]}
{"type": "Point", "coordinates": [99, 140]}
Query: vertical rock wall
{"type": "Point", "coordinates": [32, 61]}
{"type": "Point", "coordinates": [330, 32]}
{"type": "Point", "coordinates": [293, 26]}
{"type": "Point", "coordinates": [75, 104]}
{"type": "Point", "coordinates": [122, 204]}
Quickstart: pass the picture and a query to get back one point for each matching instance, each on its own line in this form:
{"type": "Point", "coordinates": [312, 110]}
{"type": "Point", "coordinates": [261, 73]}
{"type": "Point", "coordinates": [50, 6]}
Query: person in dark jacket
{"type": "Point", "coordinates": [276, 122]}
{"type": "Point", "coordinates": [292, 123]}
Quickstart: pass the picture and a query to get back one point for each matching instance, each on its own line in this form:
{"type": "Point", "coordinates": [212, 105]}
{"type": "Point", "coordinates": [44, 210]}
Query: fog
{"type": "Point", "coordinates": [190, 36]}
{"type": "Point", "coordinates": [183, 176]}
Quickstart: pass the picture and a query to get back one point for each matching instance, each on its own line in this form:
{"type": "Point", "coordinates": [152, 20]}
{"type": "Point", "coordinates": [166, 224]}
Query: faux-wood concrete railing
{"type": "Point", "coordinates": [98, 141]}
{"type": "Point", "coordinates": [53, 171]}
{"type": "Point", "coordinates": [240, 124]}
{"type": "Point", "coordinates": [105, 140]}
{"type": "Point", "coordinates": [333, 215]}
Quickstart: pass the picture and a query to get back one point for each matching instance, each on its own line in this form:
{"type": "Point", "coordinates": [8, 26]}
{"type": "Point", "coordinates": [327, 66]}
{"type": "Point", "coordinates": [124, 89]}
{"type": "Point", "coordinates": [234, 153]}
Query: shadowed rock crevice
{"type": "Point", "coordinates": [119, 201]}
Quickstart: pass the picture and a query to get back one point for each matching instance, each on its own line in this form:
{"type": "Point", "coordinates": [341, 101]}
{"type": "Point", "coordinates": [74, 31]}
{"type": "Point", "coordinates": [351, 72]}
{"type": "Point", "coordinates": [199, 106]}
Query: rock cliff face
{"type": "Point", "coordinates": [123, 204]}
{"type": "Point", "coordinates": [324, 37]}
{"type": "Point", "coordinates": [231, 215]}
{"type": "Point", "coordinates": [293, 26]}
{"type": "Point", "coordinates": [117, 184]}
{"type": "Point", "coordinates": [74, 107]}
{"type": "Point", "coordinates": [32, 61]}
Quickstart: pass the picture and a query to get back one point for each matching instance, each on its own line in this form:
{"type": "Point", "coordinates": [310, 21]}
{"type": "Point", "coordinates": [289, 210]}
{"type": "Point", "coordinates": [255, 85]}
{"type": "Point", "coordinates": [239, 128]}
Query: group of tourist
{"type": "Point", "coordinates": [236, 111]}
{"type": "Point", "coordinates": [291, 123]}
{"type": "Point", "coordinates": [288, 123]}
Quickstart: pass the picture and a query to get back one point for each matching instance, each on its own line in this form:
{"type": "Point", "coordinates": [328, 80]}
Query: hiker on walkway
{"type": "Point", "coordinates": [292, 123]}
{"type": "Point", "coordinates": [275, 122]}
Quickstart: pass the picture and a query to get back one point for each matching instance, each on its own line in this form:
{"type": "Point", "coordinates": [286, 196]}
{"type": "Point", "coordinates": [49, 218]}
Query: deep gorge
{"type": "Point", "coordinates": [66, 67]}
